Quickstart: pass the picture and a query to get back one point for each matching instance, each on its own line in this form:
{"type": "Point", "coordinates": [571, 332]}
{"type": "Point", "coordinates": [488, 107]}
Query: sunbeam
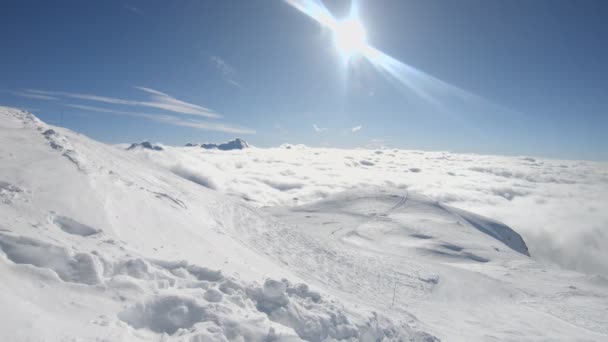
{"type": "Point", "coordinates": [350, 39]}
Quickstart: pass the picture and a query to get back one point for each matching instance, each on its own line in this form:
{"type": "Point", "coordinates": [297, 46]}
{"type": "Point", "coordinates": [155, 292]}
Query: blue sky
{"type": "Point", "coordinates": [509, 77]}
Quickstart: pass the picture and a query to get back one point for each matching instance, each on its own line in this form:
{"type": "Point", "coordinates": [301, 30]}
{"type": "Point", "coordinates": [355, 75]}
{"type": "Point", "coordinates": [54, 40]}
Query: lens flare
{"type": "Point", "coordinates": [350, 37]}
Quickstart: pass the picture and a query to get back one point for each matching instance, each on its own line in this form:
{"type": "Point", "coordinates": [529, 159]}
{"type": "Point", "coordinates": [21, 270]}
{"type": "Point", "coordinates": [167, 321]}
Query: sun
{"type": "Point", "coordinates": [349, 37]}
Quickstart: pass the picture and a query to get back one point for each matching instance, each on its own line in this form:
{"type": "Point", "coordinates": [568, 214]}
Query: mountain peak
{"type": "Point", "coordinates": [145, 145]}
{"type": "Point", "coordinates": [236, 144]}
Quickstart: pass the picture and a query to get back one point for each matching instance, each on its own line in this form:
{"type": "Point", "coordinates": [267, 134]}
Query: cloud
{"type": "Point", "coordinates": [561, 221]}
{"type": "Point", "coordinates": [152, 91]}
{"type": "Point", "coordinates": [319, 129]}
{"type": "Point", "coordinates": [171, 120]}
{"type": "Point", "coordinates": [226, 70]}
{"type": "Point", "coordinates": [35, 96]}
{"type": "Point", "coordinates": [375, 143]}
{"type": "Point", "coordinates": [356, 129]}
{"type": "Point", "coordinates": [159, 100]}
{"type": "Point", "coordinates": [208, 126]}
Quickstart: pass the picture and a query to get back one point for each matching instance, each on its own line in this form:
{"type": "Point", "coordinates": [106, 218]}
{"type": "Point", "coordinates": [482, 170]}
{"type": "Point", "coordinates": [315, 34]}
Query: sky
{"type": "Point", "coordinates": [494, 77]}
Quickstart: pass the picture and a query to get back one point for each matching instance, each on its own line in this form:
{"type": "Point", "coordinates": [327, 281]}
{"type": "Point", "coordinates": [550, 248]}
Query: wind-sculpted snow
{"type": "Point", "coordinates": [9, 192]}
{"type": "Point", "coordinates": [193, 176]}
{"type": "Point", "coordinates": [375, 205]}
{"type": "Point", "coordinates": [200, 303]}
{"type": "Point", "coordinates": [165, 314]}
{"type": "Point", "coordinates": [78, 268]}
{"type": "Point", "coordinates": [102, 244]}
{"type": "Point", "coordinates": [495, 229]}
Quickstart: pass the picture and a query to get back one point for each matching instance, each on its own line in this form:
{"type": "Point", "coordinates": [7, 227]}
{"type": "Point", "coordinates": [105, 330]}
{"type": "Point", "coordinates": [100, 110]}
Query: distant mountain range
{"type": "Point", "coordinates": [236, 144]}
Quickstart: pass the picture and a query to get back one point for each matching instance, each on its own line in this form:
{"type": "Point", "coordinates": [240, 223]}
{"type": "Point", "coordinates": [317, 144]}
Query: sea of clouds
{"type": "Point", "coordinates": [559, 206]}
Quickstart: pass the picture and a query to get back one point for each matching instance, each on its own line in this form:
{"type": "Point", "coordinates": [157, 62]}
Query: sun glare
{"type": "Point", "coordinates": [350, 37]}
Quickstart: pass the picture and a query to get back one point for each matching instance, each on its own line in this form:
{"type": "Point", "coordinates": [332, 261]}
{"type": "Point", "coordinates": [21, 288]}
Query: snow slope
{"type": "Point", "coordinates": [100, 243]}
{"type": "Point", "coordinates": [97, 245]}
{"type": "Point", "coordinates": [465, 276]}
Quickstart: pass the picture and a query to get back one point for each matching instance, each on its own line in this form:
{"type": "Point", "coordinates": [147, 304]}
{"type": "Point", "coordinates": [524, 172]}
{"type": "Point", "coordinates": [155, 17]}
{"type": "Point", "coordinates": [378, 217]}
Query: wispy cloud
{"type": "Point", "coordinates": [356, 129]}
{"type": "Point", "coordinates": [35, 96]}
{"type": "Point", "coordinates": [159, 100]}
{"type": "Point", "coordinates": [171, 120]}
{"type": "Point", "coordinates": [319, 129]}
{"type": "Point", "coordinates": [208, 126]}
{"type": "Point", "coordinates": [227, 71]}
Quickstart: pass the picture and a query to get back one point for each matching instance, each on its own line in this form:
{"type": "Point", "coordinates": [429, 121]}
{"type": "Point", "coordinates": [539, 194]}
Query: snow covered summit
{"type": "Point", "coordinates": [236, 144]}
{"type": "Point", "coordinates": [145, 145]}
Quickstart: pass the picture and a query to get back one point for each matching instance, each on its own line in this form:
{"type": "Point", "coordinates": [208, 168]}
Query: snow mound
{"type": "Point", "coordinates": [230, 309]}
{"type": "Point", "coordinates": [165, 314]}
{"type": "Point", "coordinates": [186, 300]}
{"type": "Point", "coordinates": [403, 208]}
{"type": "Point", "coordinates": [194, 301]}
{"type": "Point", "coordinates": [495, 229]}
{"type": "Point", "coordinates": [81, 268]}
{"type": "Point", "coordinates": [9, 192]}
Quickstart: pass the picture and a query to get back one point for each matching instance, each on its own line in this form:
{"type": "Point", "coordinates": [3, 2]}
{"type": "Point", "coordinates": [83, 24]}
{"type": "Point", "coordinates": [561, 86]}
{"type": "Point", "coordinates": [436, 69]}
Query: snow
{"type": "Point", "coordinates": [82, 268]}
{"type": "Point", "coordinates": [72, 226]}
{"type": "Point", "coordinates": [98, 243]}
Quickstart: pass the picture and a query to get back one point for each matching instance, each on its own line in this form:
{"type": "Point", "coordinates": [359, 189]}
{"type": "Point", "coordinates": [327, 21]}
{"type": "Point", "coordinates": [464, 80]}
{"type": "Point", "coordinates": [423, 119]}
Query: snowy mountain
{"type": "Point", "coordinates": [99, 243]}
{"type": "Point", "coordinates": [145, 144]}
{"type": "Point", "coordinates": [236, 144]}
